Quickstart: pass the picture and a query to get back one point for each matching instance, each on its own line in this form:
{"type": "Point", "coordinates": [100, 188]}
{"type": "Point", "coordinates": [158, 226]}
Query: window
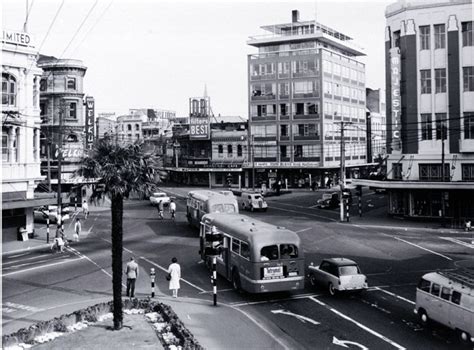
{"type": "Point", "coordinates": [137, 127]}
{"type": "Point", "coordinates": [435, 288]}
{"type": "Point", "coordinates": [426, 127]}
{"type": "Point", "coordinates": [468, 78]}
{"type": "Point", "coordinates": [5, 145]}
{"type": "Point", "coordinates": [424, 285]}
{"type": "Point", "coordinates": [298, 151]}
{"type": "Point", "coordinates": [424, 37]}
{"type": "Point", "coordinates": [239, 150]}
{"type": "Point", "coordinates": [425, 81]}
{"type": "Point", "coordinates": [305, 130]}
{"type": "Point", "coordinates": [71, 138]}
{"type": "Point", "coordinates": [467, 172]}
{"type": "Point", "coordinates": [348, 270]}
{"type": "Point", "coordinates": [440, 80]}
{"type": "Point", "coordinates": [284, 109]}
{"type": "Point", "coordinates": [284, 90]}
{"type": "Point", "coordinates": [220, 150]}
{"type": "Point", "coordinates": [245, 250]}
{"type": "Point", "coordinates": [283, 130]}
{"type": "Point", "coordinates": [456, 297]}
{"type": "Point", "coordinates": [440, 36]}
{"type": "Point", "coordinates": [432, 172]}
{"type": "Point", "coordinates": [8, 90]}
{"type": "Point", "coordinates": [469, 126]}
{"type": "Point", "coordinates": [283, 152]}
{"type": "Point", "coordinates": [445, 293]}
{"type": "Point", "coordinates": [129, 127]}
{"type": "Point", "coordinates": [71, 83]}
{"type": "Point", "coordinates": [73, 110]}
{"type": "Point", "coordinates": [229, 150]}
{"type": "Point", "coordinates": [467, 39]}
{"type": "Point", "coordinates": [397, 171]}
{"type": "Point", "coordinates": [441, 126]}
{"type": "Point", "coordinates": [43, 84]}
{"type": "Point", "coordinates": [396, 39]}
{"type": "Point", "coordinates": [288, 251]}
{"type": "Point", "coordinates": [269, 253]}
{"type": "Point", "coordinates": [235, 245]}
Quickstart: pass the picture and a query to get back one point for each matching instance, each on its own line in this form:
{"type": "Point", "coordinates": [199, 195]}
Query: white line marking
{"type": "Point", "coordinates": [110, 242]}
{"type": "Point", "coordinates": [32, 262]}
{"type": "Point", "coordinates": [302, 213]}
{"type": "Point", "coordinates": [358, 324]}
{"type": "Point", "coordinates": [166, 270]}
{"type": "Point", "coordinates": [21, 260]}
{"type": "Point", "coordinates": [303, 230]}
{"type": "Point", "coordinates": [16, 256]}
{"type": "Point", "coordinates": [457, 241]}
{"type": "Point", "coordinates": [395, 295]}
{"type": "Point", "coordinates": [302, 318]}
{"type": "Point", "coordinates": [40, 267]}
{"type": "Point", "coordinates": [219, 290]}
{"type": "Point", "coordinates": [426, 249]}
{"type": "Point", "coordinates": [295, 297]}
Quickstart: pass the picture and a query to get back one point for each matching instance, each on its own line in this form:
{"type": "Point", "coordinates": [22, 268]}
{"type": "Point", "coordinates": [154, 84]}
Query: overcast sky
{"type": "Point", "coordinates": [143, 54]}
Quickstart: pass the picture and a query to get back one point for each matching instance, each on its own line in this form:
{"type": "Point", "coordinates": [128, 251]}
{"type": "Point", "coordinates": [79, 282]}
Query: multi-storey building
{"type": "Point", "coordinates": [430, 109]}
{"type": "Point", "coordinates": [305, 83]}
{"type": "Point", "coordinates": [376, 124]}
{"type": "Point", "coordinates": [63, 116]}
{"type": "Point", "coordinates": [20, 133]}
{"type": "Point", "coordinates": [106, 124]}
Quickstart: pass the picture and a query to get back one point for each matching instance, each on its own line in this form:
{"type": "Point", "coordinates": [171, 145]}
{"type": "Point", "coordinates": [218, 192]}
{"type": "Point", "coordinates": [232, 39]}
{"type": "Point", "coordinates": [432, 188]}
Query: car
{"type": "Point", "coordinates": [227, 193]}
{"type": "Point", "coordinates": [40, 214]}
{"type": "Point", "coordinates": [337, 275]}
{"type": "Point", "coordinates": [158, 197]}
{"type": "Point", "coordinates": [329, 200]}
{"type": "Point", "coordinates": [254, 201]}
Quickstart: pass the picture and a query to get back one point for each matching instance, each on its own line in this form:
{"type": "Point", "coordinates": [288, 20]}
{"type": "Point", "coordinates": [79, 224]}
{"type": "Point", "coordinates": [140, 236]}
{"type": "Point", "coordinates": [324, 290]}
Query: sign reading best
{"type": "Point", "coordinates": [199, 128]}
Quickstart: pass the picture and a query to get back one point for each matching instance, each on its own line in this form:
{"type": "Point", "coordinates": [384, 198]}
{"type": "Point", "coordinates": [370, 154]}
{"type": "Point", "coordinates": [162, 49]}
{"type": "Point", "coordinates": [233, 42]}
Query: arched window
{"type": "Point", "coordinates": [8, 90]}
{"type": "Point", "coordinates": [229, 150]}
{"type": "Point", "coordinates": [137, 127]}
{"type": "Point", "coordinates": [239, 150]}
{"type": "Point", "coordinates": [71, 138]}
{"type": "Point", "coordinates": [129, 127]}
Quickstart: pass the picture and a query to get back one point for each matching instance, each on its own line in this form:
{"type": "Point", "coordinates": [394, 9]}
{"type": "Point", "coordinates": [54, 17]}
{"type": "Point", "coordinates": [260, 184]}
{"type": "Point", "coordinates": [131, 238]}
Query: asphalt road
{"type": "Point", "coordinates": [42, 285]}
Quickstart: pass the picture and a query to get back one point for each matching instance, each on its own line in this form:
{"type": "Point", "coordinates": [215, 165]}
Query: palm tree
{"type": "Point", "coordinates": [122, 169]}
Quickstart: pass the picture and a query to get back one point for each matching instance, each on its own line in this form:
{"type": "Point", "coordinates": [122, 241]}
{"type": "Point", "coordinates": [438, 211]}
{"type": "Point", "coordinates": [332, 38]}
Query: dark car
{"type": "Point", "coordinates": [329, 200]}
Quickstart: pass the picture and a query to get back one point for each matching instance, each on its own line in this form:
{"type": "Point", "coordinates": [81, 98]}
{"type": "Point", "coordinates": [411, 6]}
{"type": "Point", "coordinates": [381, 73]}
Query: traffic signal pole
{"type": "Point", "coordinates": [60, 156]}
{"type": "Point", "coordinates": [214, 279]}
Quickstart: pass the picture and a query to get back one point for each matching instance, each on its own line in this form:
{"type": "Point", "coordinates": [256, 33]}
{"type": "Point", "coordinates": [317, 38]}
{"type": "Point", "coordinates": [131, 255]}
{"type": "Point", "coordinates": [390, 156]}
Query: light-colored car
{"type": "Point", "coordinates": [254, 201]}
{"type": "Point", "coordinates": [337, 275]}
{"type": "Point", "coordinates": [226, 193]}
{"type": "Point", "coordinates": [41, 213]}
{"type": "Point", "coordinates": [158, 197]}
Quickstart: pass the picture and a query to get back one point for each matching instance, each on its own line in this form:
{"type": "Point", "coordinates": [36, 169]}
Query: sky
{"type": "Point", "coordinates": [158, 54]}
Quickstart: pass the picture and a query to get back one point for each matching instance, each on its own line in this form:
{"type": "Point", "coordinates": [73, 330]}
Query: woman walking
{"type": "Point", "coordinates": [174, 271]}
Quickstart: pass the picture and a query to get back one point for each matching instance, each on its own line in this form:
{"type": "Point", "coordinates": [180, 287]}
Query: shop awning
{"type": "Point", "coordinates": [415, 185]}
{"type": "Point", "coordinates": [30, 203]}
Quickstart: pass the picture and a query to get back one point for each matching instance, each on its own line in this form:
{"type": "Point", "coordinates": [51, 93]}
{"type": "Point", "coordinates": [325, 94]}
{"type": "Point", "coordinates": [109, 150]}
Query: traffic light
{"type": "Point", "coordinates": [213, 243]}
{"type": "Point", "coordinates": [64, 212]}
{"type": "Point", "coordinates": [359, 191]}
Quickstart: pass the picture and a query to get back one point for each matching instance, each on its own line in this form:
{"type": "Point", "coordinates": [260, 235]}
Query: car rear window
{"type": "Point", "coordinates": [348, 270]}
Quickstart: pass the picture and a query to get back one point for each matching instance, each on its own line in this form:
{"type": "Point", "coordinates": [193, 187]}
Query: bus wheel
{"type": "Point", "coordinates": [236, 280]}
{"type": "Point", "coordinates": [424, 319]}
{"type": "Point", "coordinates": [465, 337]}
{"type": "Point", "coordinates": [331, 289]}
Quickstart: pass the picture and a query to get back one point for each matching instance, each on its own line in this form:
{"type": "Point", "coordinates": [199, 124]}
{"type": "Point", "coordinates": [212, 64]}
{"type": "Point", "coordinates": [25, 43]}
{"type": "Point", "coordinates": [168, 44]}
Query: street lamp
{"type": "Point", "coordinates": [176, 146]}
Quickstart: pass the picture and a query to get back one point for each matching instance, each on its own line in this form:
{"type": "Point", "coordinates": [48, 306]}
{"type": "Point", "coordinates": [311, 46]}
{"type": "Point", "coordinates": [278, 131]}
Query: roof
{"type": "Point", "coordinates": [341, 261]}
{"type": "Point", "coordinates": [228, 119]}
{"type": "Point", "coordinates": [464, 277]}
{"type": "Point", "coordinates": [207, 194]}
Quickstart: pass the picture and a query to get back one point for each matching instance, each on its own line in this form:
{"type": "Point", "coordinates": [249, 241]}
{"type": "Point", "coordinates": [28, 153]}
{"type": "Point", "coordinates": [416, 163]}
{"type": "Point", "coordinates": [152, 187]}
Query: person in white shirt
{"type": "Point", "coordinates": [85, 209]}
{"type": "Point", "coordinates": [172, 209]}
{"type": "Point", "coordinates": [174, 271]}
{"type": "Point", "coordinates": [77, 229]}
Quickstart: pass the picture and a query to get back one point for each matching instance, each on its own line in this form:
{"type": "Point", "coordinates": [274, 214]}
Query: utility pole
{"type": "Point", "coordinates": [343, 172]}
{"type": "Point", "coordinates": [443, 223]}
{"type": "Point", "coordinates": [48, 162]}
{"type": "Point", "coordinates": [60, 156]}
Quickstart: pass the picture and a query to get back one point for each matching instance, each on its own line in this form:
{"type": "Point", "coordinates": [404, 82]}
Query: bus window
{"type": "Point", "coordinates": [424, 285]}
{"type": "Point", "coordinates": [456, 297]}
{"type": "Point", "coordinates": [288, 251]}
{"type": "Point", "coordinates": [235, 245]}
{"type": "Point", "coordinates": [445, 293]}
{"type": "Point", "coordinates": [245, 250]}
{"type": "Point", "coordinates": [435, 289]}
{"type": "Point", "coordinates": [229, 208]}
{"type": "Point", "coordinates": [217, 208]}
{"type": "Point", "coordinates": [269, 253]}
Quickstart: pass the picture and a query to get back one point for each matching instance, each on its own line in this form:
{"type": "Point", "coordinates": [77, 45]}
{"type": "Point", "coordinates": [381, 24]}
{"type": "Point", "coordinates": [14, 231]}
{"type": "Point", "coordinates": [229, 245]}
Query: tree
{"type": "Point", "coordinates": [121, 170]}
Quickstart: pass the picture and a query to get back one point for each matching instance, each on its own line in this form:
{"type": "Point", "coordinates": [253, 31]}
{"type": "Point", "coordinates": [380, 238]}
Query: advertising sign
{"type": "Point", "coordinates": [71, 152]}
{"type": "Point", "coordinates": [199, 118]}
{"type": "Point", "coordinates": [395, 97]}
{"type": "Point", "coordinates": [90, 103]}
{"type": "Point", "coordinates": [16, 38]}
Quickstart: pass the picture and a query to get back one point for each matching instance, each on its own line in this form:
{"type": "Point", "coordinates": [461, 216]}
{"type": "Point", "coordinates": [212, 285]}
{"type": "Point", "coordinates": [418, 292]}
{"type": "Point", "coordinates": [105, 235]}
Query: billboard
{"type": "Point", "coordinates": [90, 104]}
{"type": "Point", "coordinates": [199, 118]}
{"type": "Point", "coordinates": [395, 98]}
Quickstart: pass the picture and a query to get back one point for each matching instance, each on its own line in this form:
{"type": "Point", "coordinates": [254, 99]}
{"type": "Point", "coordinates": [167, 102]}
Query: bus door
{"type": "Point", "coordinates": [223, 261]}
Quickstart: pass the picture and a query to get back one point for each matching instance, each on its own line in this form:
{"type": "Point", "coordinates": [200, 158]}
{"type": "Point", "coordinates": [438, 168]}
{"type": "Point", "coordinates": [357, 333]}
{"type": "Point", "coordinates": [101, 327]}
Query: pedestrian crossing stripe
{"type": "Point", "coordinates": [11, 307]}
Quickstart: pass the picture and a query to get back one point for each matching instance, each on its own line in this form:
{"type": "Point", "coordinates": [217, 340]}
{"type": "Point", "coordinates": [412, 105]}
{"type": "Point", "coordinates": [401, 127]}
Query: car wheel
{"type": "Point", "coordinates": [236, 280]}
{"type": "Point", "coordinates": [464, 336]}
{"type": "Point", "coordinates": [331, 289]}
{"type": "Point", "coordinates": [423, 316]}
{"type": "Point", "coordinates": [312, 280]}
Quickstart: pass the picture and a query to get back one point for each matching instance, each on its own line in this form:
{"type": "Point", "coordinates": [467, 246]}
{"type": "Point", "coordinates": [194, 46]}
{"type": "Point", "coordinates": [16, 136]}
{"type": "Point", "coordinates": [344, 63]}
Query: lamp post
{"type": "Point", "coordinates": [176, 146]}
{"type": "Point", "coordinates": [253, 162]}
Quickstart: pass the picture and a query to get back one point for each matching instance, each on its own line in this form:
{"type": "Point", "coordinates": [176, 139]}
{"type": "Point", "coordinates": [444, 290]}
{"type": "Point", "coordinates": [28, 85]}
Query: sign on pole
{"type": "Point", "coordinates": [90, 104]}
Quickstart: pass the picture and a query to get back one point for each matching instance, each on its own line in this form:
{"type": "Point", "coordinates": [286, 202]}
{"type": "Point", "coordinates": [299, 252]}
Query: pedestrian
{"type": "Point", "coordinates": [132, 275]}
{"type": "Point", "coordinates": [313, 186]}
{"type": "Point", "coordinates": [468, 226]}
{"type": "Point", "coordinates": [160, 209]}
{"type": "Point", "coordinates": [172, 209]}
{"type": "Point", "coordinates": [85, 209]}
{"type": "Point", "coordinates": [77, 230]}
{"type": "Point", "coordinates": [174, 271]}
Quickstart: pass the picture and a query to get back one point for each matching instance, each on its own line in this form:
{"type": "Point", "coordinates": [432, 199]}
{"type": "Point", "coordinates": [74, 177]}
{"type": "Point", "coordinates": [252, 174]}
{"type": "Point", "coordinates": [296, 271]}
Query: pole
{"type": "Point", "coordinates": [343, 173]}
{"type": "Point", "coordinates": [48, 162]}
{"type": "Point", "coordinates": [347, 210]}
{"type": "Point", "coordinates": [253, 163]}
{"type": "Point", "coordinates": [60, 157]}
{"type": "Point", "coordinates": [214, 279]}
{"type": "Point", "coordinates": [152, 277]}
{"type": "Point", "coordinates": [360, 202]}
{"type": "Point", "coordinates": [442, 176]}
{"type": "Point", "coordinates": [47, 228]}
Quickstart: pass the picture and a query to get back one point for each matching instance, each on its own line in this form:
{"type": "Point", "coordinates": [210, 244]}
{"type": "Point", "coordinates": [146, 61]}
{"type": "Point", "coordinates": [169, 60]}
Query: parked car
{"type": "Point", "coordinates": [329, 200]}
{"type": "Point", "coordinates": [40, 214]}
{"type": "Point", "coordinates": [254, 201]}
{"type": "Point", "coordinates": [337, 274]}
{"type": "Point", "coordinates": [158, 197]}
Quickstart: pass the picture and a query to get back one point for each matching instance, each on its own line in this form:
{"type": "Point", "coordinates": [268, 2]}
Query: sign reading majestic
{"type": "Point", "coordinates": [90, 104]}
{"type": "Point", "coordinates": [199, 119]}
{"type": "Point", "coordinates": [395, 97]}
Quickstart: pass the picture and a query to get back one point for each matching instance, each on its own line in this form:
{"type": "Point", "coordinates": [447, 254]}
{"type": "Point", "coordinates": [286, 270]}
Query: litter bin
{"type": "Point", "coordinates": [22, 234]}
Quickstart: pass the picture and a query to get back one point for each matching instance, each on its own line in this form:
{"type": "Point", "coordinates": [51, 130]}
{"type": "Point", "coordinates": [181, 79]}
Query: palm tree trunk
{"type": "Point", "coordinates": [117, 247]}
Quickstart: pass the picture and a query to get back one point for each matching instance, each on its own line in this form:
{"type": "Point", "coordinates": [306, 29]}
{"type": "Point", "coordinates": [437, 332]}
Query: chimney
{"type": "Point", "coordinates": [295, 16]}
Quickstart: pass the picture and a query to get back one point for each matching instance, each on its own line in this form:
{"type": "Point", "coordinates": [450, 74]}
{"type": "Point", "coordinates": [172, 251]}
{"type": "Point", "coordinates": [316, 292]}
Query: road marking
{"type": "Point", "coordinates": [219, 290]}
{"type": "Point", "coordinates": [166, 270]}
{"type": "Point", "coordinates": [295, 297]}
{"type": "Point", "coordinates": [16, 256]}
{"type": "Point", "coordinates": [457, 241]}
{"type": "Point", "coordinates": [344, 343]}
{"type": "Point", "coordinates": [303, 230]}
{"type": "Point", "coordinates": [302, 318]}
{"type": "Point", "coordinates": [32, 309]}
{"type": "Point", "coordinates": [358, 324]}
{"type": "Point", "coordinates": [395, 295]}
{"type": "Point", "coordinates": [426, 249]}
{"type": "Point", "coordinates": [34, 257]}
{"type": "Point", "coordinates": [302, 213]}
{"type": "Point", "coordinates": [29, 263]}
{"type": "Point", "coordinates": [40, 267]}
{"type": "Point", "coordinates": [110, 242]}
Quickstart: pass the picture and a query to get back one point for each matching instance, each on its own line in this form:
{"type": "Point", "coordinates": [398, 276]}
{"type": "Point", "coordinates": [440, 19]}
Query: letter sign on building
{"type": "Point", "coordinates": [89, 122]}
{"type": "Point", "coordinates": [199, 120]}
{"type": "Point", "coordinates": [395, 97]}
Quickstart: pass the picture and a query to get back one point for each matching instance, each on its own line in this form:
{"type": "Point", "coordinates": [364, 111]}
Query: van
{"type": "Point", "coordinates": [448, 298]}
{"type": "Point", "coordinates": [253, 201]}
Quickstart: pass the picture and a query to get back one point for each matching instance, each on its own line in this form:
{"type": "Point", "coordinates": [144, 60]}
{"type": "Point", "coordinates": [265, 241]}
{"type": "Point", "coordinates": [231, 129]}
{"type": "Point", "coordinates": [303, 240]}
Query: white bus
{"type": "Point", "coordinates": [204, 202]}
{"type": "Point", "coordinates": [448, 298]}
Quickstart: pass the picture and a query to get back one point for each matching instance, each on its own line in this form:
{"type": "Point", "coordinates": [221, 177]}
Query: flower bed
{"type": "Point", "coordinates": [169, 328]}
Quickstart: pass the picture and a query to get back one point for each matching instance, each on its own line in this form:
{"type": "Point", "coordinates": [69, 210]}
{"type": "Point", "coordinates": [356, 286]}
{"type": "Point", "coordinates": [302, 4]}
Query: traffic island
{"type": "Point", "coordinates": [59, 333]}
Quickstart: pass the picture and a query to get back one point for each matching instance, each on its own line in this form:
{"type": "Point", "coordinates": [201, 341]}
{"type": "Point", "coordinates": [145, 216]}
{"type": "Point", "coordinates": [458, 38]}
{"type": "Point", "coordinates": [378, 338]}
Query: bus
{"type": "Point", "coordinates": [204, 202]}
{"type": "Point", "coordinates": [256, 257]}
{"type": "Point", "coordinates": [447, 297]}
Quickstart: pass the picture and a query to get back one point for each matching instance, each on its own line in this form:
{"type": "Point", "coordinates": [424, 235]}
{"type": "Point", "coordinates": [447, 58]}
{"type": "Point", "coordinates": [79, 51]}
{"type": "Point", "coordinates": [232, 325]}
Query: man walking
{"type": "Point", "coordinates": [85, 209]}
{"type": "Point", "coordinates": [132, 275]}
{"type": "Point", "coordinates": [77, 229]}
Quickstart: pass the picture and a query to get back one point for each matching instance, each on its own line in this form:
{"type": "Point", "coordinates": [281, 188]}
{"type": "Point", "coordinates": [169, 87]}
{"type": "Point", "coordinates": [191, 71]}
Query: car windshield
{"type": "Point", "coordinates": [327, 196]}
{"type": "Point", "coordinates": [349, 270]}
{"type": "Point", "coordinates": [257, 197]}
{"type": "Point", "coordinates": [223, 208]}
{"type": "Point", "coordinates": [159, 195]}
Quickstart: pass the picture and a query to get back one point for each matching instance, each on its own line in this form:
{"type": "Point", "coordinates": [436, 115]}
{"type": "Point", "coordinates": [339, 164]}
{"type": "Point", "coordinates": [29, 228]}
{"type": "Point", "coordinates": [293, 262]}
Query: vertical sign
{"type": "Point", "coordinates": [396, 99]}
{"type": "Point", "coordinates": [89, 121]}
{"type": "Point", "coordinates": [199, 120]}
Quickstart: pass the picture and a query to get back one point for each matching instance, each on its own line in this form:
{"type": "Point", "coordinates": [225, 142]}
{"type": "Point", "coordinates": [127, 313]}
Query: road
{"type": "Point", "coordinates": [42, 285]}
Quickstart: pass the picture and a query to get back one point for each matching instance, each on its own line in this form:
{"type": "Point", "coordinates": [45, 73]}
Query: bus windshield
{"type": "Point", "coordinates": [287, 251]}
{"type": "Point", "coordinates": [223, 208]}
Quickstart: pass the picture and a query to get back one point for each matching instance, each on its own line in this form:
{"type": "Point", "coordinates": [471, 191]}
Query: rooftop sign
{"type": "Point", "coordinates": [16, 38]}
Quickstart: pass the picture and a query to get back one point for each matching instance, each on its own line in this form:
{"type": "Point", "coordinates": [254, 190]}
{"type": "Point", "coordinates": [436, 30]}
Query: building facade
{"type": "Point", "coordinates": [106, 125]}
{"type": "Point", "coordinates": [376, 124]}
{"type": "Point", "coordinates": [430, 109]}
{"type": "Point", "coordinates": [21, 124]}
{"type": "Point", "coordinates": [305, 84]}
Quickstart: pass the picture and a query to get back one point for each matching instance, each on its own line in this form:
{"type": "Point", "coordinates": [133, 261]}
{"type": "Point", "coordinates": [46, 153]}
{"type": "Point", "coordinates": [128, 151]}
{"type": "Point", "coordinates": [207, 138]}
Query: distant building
{"type": "Point", "coordinates": [106, 125]}
{"type": "Point", "coordinates": [305, 80]}
{"type": "Point", "coordinates": [129, 127]}
{"type": "Point", "coordinates": [376, 124]}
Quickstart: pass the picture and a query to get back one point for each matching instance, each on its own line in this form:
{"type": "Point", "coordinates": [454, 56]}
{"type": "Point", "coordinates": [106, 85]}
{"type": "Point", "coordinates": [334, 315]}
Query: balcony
{"type": "Point", "coordinates": [305, 74]}
{"type": "Point", "coordinates": [466, 146]}
{"type": "Point", "coordinates": [285, 138]}
{"type": "Point", "coordinates": [306, 116]}
{"type": "Point", "coordinates": [306, 95]}
{"type": "Point", "coordinates": [265, 97]}
{"type": "Point", "coordinates": [264, 117]}
{"type": "Point", "coordinates": [22, 172]}
{"type": "Point", "coordinates": [258, 77]}
{"type": "Point", "coordinates": [283, 97]}
{"type": "Point", "coordinates": [306, 137]}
